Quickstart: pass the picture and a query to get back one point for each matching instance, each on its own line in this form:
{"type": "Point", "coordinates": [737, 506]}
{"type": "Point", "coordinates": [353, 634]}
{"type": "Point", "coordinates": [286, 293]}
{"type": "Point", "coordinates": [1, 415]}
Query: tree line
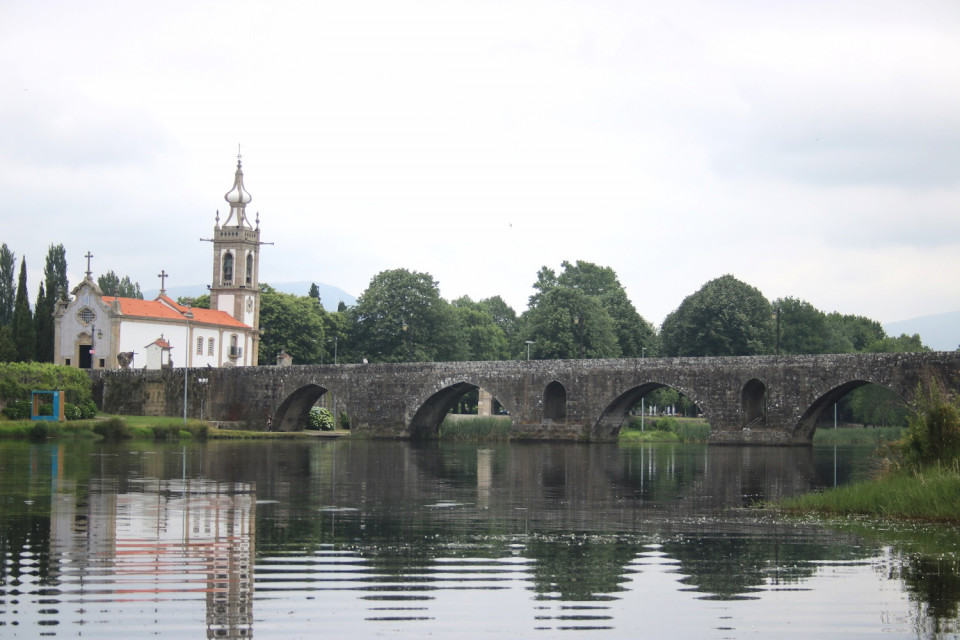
{"type": "Point", "coordinates": [26, 333]}
{"type": "Point", "coordinates": [578, 311]}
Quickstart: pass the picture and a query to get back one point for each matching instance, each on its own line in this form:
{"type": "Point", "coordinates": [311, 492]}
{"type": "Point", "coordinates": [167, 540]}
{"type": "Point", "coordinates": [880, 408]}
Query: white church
{"type": "Point", "coordinates": [94, 331]}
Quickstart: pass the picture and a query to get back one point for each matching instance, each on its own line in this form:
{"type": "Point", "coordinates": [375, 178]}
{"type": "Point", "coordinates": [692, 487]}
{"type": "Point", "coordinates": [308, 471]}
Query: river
{"type": "Point", "coordinates": [359, 538]}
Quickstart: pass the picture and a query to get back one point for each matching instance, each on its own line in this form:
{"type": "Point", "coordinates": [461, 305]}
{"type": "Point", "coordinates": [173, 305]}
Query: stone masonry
{"type": "Point", "coordinates": [760, 400]}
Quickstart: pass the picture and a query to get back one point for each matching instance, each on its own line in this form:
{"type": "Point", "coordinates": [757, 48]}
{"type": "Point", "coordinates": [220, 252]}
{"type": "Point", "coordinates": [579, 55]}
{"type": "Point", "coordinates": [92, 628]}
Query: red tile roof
{"type": "Point", "coordinates": [167, 309]}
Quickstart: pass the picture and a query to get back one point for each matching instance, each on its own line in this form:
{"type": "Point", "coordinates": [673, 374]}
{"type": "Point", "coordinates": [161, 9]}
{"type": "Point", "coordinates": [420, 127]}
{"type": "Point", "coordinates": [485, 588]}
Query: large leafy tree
{"type": "Point", "coordinates": [481, 337]}
{"type": "Point", "coordinates": [805, 329]}
{"type": "Point", "coordinates": [401, 317]}
{"type": "Point", "coordinates": [726, 317]}
{"type": "Point", "coordinates": [290, 323]}
{"type": "Point", "coordinates": [568, 323]}
{"type": "Point", "coordinates": [8, 288]}
{"type": "Point", "coordinates": [22, 329]}
{"type": "Point", "coordinates": [634, 335]}
{"type": "Point", "coordinates": [113, 285]}
{"type": "Point", "coordinates": [858, 331]}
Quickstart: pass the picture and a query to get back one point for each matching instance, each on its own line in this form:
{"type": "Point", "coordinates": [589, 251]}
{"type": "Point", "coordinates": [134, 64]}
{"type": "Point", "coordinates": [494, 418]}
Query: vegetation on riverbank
{"type": "Point", "coordinates": [133, 427]}
{"type": "Point", "coordinates": [665, 430]}
{"type": "Point", "coordinates": [476, 429]}
{"type": "Point", "coordinates": [920, 473]}
{"type": "Point", "coordinates": [851, 435]}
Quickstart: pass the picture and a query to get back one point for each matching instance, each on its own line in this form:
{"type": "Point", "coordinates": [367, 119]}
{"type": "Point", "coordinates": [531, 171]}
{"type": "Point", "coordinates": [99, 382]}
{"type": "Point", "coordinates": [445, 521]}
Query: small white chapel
{"type": "Point", "coordinates": [94, 331]}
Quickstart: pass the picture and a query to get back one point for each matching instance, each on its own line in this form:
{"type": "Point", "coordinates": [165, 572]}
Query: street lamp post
{"type": "Point", "coordinates": [406, 338]}
{"type": "Point", "coordinates": [778, 330]}
{"type": "Point", "coordinates": [335, 340]}
{"type": "Point", "coordinates": [529, 342]}
{"type": "Point", "coordinates": [186, 355]}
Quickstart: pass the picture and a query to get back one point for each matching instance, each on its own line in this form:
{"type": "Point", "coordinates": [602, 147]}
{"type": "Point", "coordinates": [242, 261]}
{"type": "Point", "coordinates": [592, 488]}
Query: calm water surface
{"type": "Point", "coordinates": [391, 539]}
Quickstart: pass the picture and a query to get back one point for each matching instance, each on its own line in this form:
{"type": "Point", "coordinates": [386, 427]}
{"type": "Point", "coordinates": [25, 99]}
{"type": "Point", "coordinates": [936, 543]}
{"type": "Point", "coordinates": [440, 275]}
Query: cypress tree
{"type": "Point", "coordinates": [24, 335]}
{"type": "Point", "coordinates": [8, 290]}
{"type": "Point", "coordinates": [43, 326]}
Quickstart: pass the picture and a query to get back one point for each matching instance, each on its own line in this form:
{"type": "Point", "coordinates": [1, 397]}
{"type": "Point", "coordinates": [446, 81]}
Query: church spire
{"type": "Point", "coordinates": [238, 198]}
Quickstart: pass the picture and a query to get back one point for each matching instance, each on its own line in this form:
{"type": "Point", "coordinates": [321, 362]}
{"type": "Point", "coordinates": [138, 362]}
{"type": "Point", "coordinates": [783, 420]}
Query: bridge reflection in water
{"type": "Point", "coordinates": [364, 537]}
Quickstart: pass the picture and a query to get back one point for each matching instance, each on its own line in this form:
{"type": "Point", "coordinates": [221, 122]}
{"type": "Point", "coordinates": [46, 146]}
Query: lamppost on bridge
{"type": "Point", "coordinates": [406, 339]}
{"type": "Point", "coordinates": [579, 321]}
{"type": "Point", "coordinates": [334, 341]}
{"type": "Point", "coordinates": [186, 355]}
{"type": "Point", "coordinates": [777, 316]}
{"type": "Point", "coordinates": [529, 342]}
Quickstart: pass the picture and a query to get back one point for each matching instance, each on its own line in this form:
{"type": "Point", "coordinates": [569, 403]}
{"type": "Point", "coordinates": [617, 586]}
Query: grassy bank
{"type": "Point", "coordinates": [131, 427]}
{"type": "Point", "coordinates": [666, 430]}
{"type": "Point", "coordinates": [851, 435]}
{"type": "Point", "coordinates": [476, 429]}
{"type": "Point", "coordinates": [932, 494]}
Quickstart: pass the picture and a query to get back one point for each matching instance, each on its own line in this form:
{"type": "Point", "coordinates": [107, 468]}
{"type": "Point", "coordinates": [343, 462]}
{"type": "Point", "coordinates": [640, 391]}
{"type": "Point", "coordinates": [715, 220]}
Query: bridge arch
{"type": "Point", "coordinates": [293, 412]}
{"type": "Point", "coordinates": [555, 402]}
{"type": "Point", "coordinates": [753, 404]}
{"type": "Point", "coordinates": [807, 425]}
{"type": "Point", "coordinates": [609, 423]}
{"type": "Point", "coordinates": [431, 412]}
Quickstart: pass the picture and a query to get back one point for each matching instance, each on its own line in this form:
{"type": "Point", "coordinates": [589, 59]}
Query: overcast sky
{"type": "Point", "coordinates": [811, 149]}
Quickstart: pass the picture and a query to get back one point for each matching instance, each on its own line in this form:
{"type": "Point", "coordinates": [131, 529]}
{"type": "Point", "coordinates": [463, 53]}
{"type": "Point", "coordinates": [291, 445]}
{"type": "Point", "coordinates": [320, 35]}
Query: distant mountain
{"type": "Point", "coordinates": [940, 332]}
{"type": "Point", "coordinates": [330, 295]}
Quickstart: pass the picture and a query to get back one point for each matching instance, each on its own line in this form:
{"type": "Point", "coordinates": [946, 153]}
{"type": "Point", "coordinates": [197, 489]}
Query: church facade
{"type": "Point", "coordinates": [94, 331]}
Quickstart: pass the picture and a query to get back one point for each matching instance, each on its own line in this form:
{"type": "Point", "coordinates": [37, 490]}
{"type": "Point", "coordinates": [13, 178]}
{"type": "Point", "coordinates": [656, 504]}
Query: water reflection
{"type": "Point", "coordinates": [384, 537]}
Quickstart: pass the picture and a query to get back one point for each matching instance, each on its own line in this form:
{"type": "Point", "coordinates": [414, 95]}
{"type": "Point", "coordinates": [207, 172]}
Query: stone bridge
{"type": "Point", "coordinates": [750, 399]}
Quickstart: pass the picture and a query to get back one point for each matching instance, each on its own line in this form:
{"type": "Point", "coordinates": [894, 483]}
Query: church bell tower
{"type": "Point", "coordinates": [235, 287]}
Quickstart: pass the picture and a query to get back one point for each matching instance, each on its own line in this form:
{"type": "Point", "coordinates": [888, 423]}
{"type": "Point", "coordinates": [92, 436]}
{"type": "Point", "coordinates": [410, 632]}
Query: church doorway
{"type": "Point", "coordinates": [86, 357]}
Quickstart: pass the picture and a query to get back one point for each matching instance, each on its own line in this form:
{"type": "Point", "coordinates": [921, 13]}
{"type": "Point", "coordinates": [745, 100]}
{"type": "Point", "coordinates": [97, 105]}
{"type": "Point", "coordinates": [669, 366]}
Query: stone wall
{"type": "Point", "coordinates": [762, 400]}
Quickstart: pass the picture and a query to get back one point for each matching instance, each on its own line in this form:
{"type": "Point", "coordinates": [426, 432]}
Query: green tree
{"type": "Point", "coordinates": [8, 289]}
{"type": "Point", "coordinates": [53, 289]}
{"type": "Point", "coordinates": [290, 323]}
{"type": "Point", "coordinates": [8, 350]}
{"type": "Point", "coordinates": [568, 323]}
{"type": "Point", "coordinates": [24, 334]}
{"type": "Point", "coordinates": [314, 292]}
{"type": "Point", "coordinates": [726, 317]}
{"type": "Point", "coordinates": [805, 329]}
{"type": "Point", "coordinates": [901, 344]}
{"type": "Point", "coordinates": [55, 274]}
{"type": "Point", "coordinates": [858, 331]}
{"type": "Point", "coordinates": [481, 336]}
{"type": "Point", "coordinates": [635, 336]}
{"type": "Point", "coordinates": [200, 302]}
{"type": "Point", "coordinates": [43, 326]}
{"type": "Point", "coordinates": [401, 317]}
{"type": "Point", "coordinates": [112, 285]}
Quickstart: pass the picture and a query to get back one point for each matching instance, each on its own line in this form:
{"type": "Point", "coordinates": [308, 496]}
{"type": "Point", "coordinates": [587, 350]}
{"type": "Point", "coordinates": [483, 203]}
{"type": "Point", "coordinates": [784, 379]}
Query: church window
{"type": "Point", "coordinates": [87, 316]}
{"type": "Point", "coordinates": [249, 269]}
{"type": "Point", "coordinates": [199, 346]}
{"type": "Point", "coordinates": [210, 347]}
{"type": "Point", "coordinates": [227, 268]}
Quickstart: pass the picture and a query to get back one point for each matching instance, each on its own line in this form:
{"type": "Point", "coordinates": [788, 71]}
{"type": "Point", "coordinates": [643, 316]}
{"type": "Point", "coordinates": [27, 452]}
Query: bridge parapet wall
{"type": "Point", "coordinates": [762, 400]}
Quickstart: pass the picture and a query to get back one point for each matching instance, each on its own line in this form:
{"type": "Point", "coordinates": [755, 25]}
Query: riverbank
{"type": "Point", "coordinates": [141, 428]}
{"type": "Point", "coordinates": [930, 495]}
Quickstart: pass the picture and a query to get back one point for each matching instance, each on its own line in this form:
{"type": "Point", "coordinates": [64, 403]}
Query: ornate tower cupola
{"type": "Point", "coordinates": [235, 286]}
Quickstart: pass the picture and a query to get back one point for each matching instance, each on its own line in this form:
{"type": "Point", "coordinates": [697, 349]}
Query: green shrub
{"type": "Point", "coordinates": [320, 418]}
{"type": "Point", "coordinates": [933, 435]}
{"type": "Point", "coordinates": [42, 431]}
{"type": "Point", "coordinates": [166, 432]}
{"type": "Point", "coordinates": [113, 429]}
{"type": "Point", "coordinates": [18, 410]}
{"type": "Point", "coordinates": [88, 410]}
{"type": "Point", "coordinates": [344, 420]}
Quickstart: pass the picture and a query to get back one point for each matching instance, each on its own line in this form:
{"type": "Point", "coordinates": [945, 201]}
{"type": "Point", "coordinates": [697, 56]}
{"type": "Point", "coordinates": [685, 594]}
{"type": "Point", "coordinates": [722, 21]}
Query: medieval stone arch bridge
{"type": "Point", "coordinates": [762, 399]}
